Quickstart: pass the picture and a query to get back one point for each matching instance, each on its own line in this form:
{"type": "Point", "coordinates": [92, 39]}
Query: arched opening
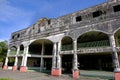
{"type": "Point", "coordinates": [41, 55]}
{"type": "Point", "coordinates": [35, 47]}
{"type": "Point", "coordinates": [102, 62]}
{"type": "Point", "coordinates": [48, 47]}
{"type": "Point", "coordinates": [67, 61]}
{"type": "Point", "coordinates": [93, 39]}
{"type": "Point", "coordinates": [33, 63]}
{"type": "Point", "coordinates": [11, 61]}
{"type": "Point", "coordinates": [21, 49]}
{"type": "Point", "coordinates": [94, 60]}
{"type": "Point", "coordinates": [67, 43]}
{"type": "Point", "coordinates": [19, 62]}
{"type": "Point", "coordinates": [44, 47]}
{"type": "Point", "coordinates": [47, 64]}
{"type": "Point", "coordinates": [13, 50]}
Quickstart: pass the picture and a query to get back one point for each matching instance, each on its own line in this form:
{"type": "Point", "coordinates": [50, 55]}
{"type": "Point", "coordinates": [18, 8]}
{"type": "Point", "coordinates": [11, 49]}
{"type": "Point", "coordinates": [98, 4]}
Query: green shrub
{"type": "Point", "coordinates": [5, 79]}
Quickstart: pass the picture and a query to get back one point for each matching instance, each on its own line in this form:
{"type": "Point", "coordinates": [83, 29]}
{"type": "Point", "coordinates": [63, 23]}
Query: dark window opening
{"type": "Point", "coordinates": [97, 14]}
{"type": "Point", "coordinates": [13, 37]}
{"type": "Point", "coordinates": [18, 35]}
{"type": "Point", "coordinates": [33, 28]}
{"type": "Point", "coordinates": [116, 8]}
{"type": "Point", "coordinates": [38, 30]}
{"type": "Point", "coordinates": [49, 21]}
{"type": "Point", "coordinates": [79, 18]}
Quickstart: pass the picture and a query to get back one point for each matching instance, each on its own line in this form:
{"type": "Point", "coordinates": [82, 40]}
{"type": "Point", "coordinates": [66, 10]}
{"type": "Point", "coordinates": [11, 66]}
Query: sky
{"type": "Point", "coordinates": [19, 14]}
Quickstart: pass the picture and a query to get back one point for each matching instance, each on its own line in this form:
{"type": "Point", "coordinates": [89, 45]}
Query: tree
{"type": "Point", "coordinates": [3, 50]}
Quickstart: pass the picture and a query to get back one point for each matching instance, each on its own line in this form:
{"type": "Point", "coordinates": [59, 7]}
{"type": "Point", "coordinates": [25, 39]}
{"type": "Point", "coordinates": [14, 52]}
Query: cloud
{"type": "Point", "coordinates": [12, 19]}
{"type": "Point", "coordinates": [9, 13]}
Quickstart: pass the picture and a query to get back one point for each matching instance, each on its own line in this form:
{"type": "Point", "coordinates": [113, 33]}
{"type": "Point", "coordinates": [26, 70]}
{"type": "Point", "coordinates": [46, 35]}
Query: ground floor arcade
{"type": "Point", "coordinates": [90, 51]}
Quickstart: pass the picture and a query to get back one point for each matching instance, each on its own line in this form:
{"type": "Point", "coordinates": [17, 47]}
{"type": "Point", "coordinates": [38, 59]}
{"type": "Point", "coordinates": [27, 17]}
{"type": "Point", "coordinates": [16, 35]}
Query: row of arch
{"type": "Point", "coordinates": [89, 39]}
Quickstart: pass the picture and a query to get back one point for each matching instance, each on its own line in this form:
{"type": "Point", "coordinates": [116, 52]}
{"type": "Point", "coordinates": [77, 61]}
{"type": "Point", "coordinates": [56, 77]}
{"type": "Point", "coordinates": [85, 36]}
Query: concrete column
{"type": "Point", "coordinates": [15, 64]}
{"type": "Point", "coordinates": [75, 61]}
{"type": "Point", "coordinates": [58, 70]}
{"type": "Point", "coordinates": [5, 67]}
{"type": "Point", "coordinates": [16, 60]}
{"type": "Point", "coordinates": [58, 55]}
{"type": "Point", "coordinates": [41, 64]}
{"type": "Point", "coordinates": [23, 67]}
{"type": "Point", "coordinates": [56, 63]}
{"type": "Point", "coordinates": [54, 56]}
{"type": "Point", "coordinates": [115, 57]}
{"type": "Point", "coordinates": [42, 61]}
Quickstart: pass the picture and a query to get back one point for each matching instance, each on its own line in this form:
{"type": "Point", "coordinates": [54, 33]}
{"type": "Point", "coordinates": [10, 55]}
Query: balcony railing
{"type": "Point", "coordinates": [12, 52]}
{"type": "Point", "coordinates": [102, 43]}
{"type": "Point", "coordinates": [67, 47]}
{"type": "Point", "coordinates": [21, 52]}
{"type": "Point", "coordinates": [88, 50]}
{"type": "Point", "coordinates": [94, 50]}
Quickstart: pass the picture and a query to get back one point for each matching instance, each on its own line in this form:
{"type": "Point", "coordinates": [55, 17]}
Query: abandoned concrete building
{"type": "Point", "coordinates": [88, 39]}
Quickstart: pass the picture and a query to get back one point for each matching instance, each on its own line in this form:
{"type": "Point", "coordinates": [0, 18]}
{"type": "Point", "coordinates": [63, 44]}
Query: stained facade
{"type": "Point", "coordinates": [88, 39]}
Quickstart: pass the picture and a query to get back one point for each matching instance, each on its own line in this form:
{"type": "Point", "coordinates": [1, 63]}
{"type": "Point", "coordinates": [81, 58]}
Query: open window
{"type": "Point", "coordinates": [18, 35]}
{"type": "Point", "coordinates": [49, 22]}
{"type": "Point", "coordinates": [78, 18]}
{"type": "Point", "coordinates": [116, 8]}
{"type": "Point", "coordinates": [97, 14]}
{"type": "Point", "coordinates": [13, 37]}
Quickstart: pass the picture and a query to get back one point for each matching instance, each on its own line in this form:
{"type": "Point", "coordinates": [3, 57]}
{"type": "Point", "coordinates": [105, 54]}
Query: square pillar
{"type": "Point", "coordinates": [115, 57]}
{"type": "Point", "coordinates": [56, 64]}
{"type": "Point", "coordinates": [56, 72]}
{"type": "Point", "coordinates": [14, 68]}
{"type": "Point", "coordinates": [5, 67]}
{"type": "Point", "coordinates": [15, 64]}
{"type": "Point", "coordinates": [23, 69]}
{"type": "Point", "coordinates": [117, 75]}
{"type": "Point", "coordinates": [75, 74]}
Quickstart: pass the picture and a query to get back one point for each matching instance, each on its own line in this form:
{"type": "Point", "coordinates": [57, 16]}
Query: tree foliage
{"type": "Point", "coordinates": [3, 50]}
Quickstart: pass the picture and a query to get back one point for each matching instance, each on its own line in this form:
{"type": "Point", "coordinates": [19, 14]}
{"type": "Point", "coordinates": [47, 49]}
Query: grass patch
{"type": "Point", "coordinates": [6, 79]}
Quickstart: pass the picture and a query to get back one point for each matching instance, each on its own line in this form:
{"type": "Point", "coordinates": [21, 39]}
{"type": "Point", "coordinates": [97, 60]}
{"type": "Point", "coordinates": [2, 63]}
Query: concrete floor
{"type": "Point", "coordinates": [84, 75]}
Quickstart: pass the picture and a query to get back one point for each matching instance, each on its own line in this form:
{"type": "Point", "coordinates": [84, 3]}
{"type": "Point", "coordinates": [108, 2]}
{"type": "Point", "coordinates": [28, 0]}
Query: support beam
{"type": "Point", "coordinates": [75, 61]}
{"type": "Point", "coordinates": [56, 64]}
{"type": "Point", "coordinates": [42, 61]}
{"type": "Point", "coordinates": [5, 67]}
{"type": "Point", "coordinates": [16, 60]}
{"type": "Point", "coordinates": [41, 64]}
{"type": "Point", "coordinates": [23, 67]}
{"type": "Point", "coordinates": [115, 57]}
{"type": "Point", "coordinates": [54, 60]}
{"type": "Point", "coordinates": [15, 64]}
{"type": "Point", "coordinates": [59, 70]}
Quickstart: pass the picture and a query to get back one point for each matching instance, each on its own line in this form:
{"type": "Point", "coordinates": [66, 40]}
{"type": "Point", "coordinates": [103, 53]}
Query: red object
{"type": "Point", "coordinates": [14, 68]}
{"type": "Point", "coordinates": [5, 67]}
{"type": "Point", "coordinates": [23, 69]}
{"type": "Point", "coordinates": [56, 72]}
{"type": "Point", "coordinates": [117, 75]}
{"type": "Point", "coordinates": [75, 73]}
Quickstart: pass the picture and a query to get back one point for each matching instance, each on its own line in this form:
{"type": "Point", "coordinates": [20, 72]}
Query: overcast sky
{"type": "Point", "coordinates": [20, 14]}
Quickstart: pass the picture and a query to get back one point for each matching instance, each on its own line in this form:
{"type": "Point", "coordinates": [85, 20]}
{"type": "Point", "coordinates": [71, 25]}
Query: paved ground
{"type": "Point", "coordinates": [16, 75]}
